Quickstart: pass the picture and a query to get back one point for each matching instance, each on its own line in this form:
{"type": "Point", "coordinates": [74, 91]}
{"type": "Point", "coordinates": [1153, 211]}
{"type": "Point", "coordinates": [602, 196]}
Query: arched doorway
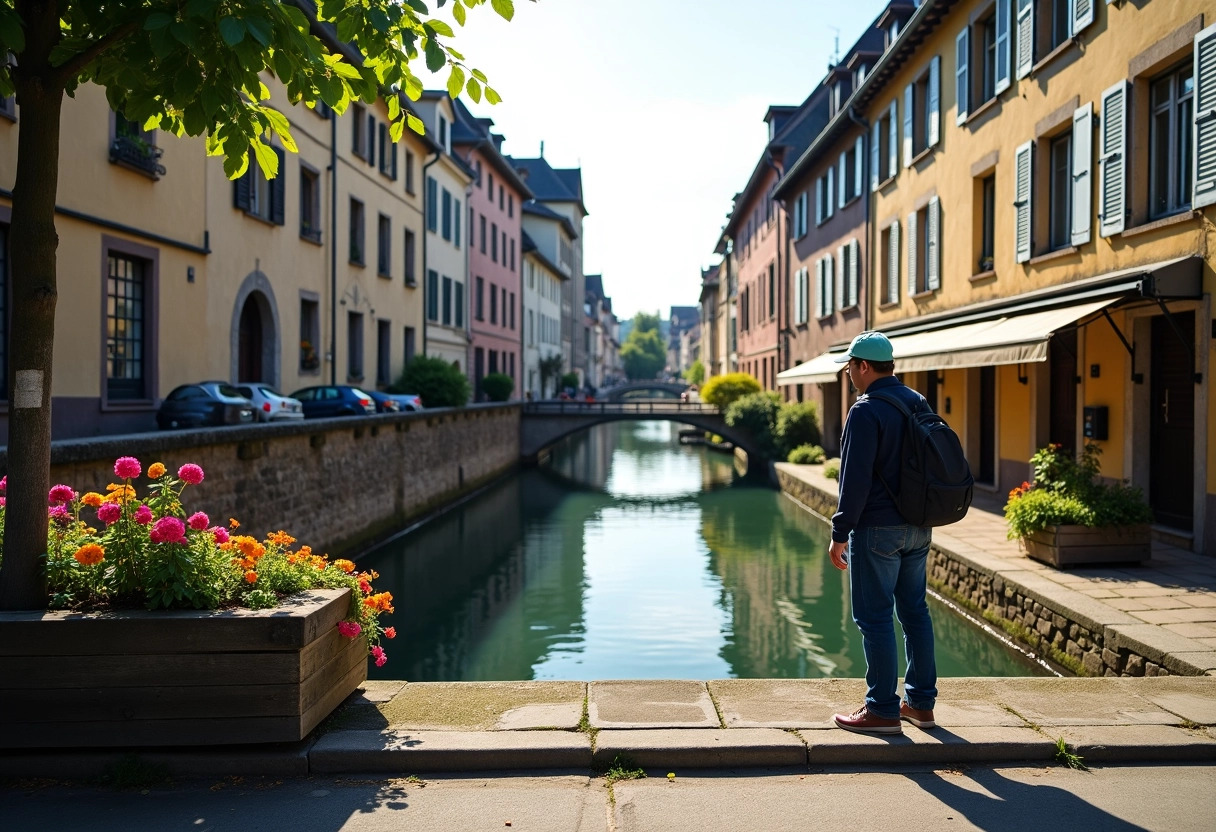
{"type": "Point", "coordinates": [249, 360]}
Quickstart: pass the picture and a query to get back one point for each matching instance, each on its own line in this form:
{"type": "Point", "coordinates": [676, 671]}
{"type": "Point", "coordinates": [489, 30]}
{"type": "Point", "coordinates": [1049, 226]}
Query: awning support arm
{"type": "Point", "coordinates": [1190, 348]}
{"type": "Point", "coordinates": [1137, 378]}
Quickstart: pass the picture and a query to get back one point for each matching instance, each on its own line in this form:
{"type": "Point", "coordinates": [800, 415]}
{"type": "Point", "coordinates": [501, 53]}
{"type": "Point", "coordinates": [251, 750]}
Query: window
{"type": "Point", "coordinates": [8, 107]}
{"type": "Point", "coordinates": [984, 70]}
{"type": "Point", "coordinates": [456, 217]}
{"type": "Point", "coordinates": [432, 204]}
{"type": "Point", "coordinates": [799, 222]}
{"type": "Point", "coordinates": [477, 165]}
{"type": "Point", "coordinates": [356, 232]}
{"type": "Point", "coordinates": [310, 205]}
{"type": "Point", "coordinates": [384, 247]}
{"type": "Point", "coordinates": [359, 138]}
{"type": "Point", "coordinates": [512, 307]}
{"type": "Point", "coordinates": [384, 145]}
{"type": "Point", "coordinates": [443, 134]}
{"type": "Point", "coordinates": [354, 345]}
{"type": "Point", "coordinates": [126, 328]}
{"type": "Point", "coordinates": [447, 214]}
{"type": "Point", "coordinates": [310, 335]}
{"type": "Point", "coordinates": [384, 360]}
{"type": "Point", "coordinates": [493, 304]}
{"type": "Point", "coordinates": [884, 147]}
{"type": "Point", "coordinates": [850, 173]}
{"type": "Point", "coordinates": [491, 187]}
{"type": "Point", "coordinates": [772, 291]}
{"type": "Point", "coordinates": [459, 287]}
{"type": "Point", "coordinates": [889, 248]}
{"type": "Point", "coordinates": [924, 248]}
{"type": "Point", "coordinates": [825, 202]}
{"type": "Point", "coordinates": [411, 258]}
{"type": "Point", "coordinates": [1172, 99]}
{"type": "Point", "coordinates": [479, 309]}
{"type": "Point", "coordinates": [409, 172]}
{"type": "Point", "coordinates": [922, 112]}
{"type": "Point", "coordinates": [987, 215]}
{"type": "Point", "coordinates": [410, 345]}
{"type": "Point", "coordinates": [501, 204]}
{"type": "Point", "coordinates": [848, 255]}
{"type": "Point", "coordinates": [258, 196]}
{"type": "Point", "coordinates": [483, 233]}
{"type": "Point", "coordinates": [132, 147]}
{"type": "Point", "coordinates": [510, 205]}
{"type": "Point", "coordinates": [825, 281]}
{"type": "Point", "coordinates": [801, 287]}
{"type": "Point", "coordinates": [432, 295]}
{"type": "Point", "coordinates": [504, 248]}
{"type": "Point", "coordinates": [494, 241]}
{"type": "Point", "coordinates": [447, 301]}
{"type": "Point", "coordinates": [512, 254]}
{"type": "Point", "coordinates": [1060, 192]}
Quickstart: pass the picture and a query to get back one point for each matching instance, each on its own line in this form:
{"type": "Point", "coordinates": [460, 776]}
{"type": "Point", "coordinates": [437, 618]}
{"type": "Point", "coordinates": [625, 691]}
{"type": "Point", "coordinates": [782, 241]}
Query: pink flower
{"type": "Point", "coordinates": [109, 513]}
{"type": "Point", "coordinates": [4, 483]}
{"type": "Point", "coordinates": [199, 521]}
{"type": "Point", "coordinates": [220, 534]}
{"type": "Point", "coordinates": [127, 467]}
{"type": "Point", "coordinates": [349, 629]}
{"type": "Point", "coordinates": [378, 655]}
{"type": "Point", "coordinates": [61, 494]}
{"type": "Point", "coordinates": [3, 502]}
{"type": "Point", "coordinates": [60, 514]}
{"type": "Point", "coordinates": [168, 530]}
{"type": "Point", "coordinates": [143, 515]}
{"type": "Point", "coordinates": [190, 473]}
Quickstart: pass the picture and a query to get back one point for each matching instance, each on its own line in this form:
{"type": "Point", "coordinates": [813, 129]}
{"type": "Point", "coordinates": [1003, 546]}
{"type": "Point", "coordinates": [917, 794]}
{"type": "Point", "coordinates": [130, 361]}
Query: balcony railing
{"type": "Point", "coordinates": [137, 154]}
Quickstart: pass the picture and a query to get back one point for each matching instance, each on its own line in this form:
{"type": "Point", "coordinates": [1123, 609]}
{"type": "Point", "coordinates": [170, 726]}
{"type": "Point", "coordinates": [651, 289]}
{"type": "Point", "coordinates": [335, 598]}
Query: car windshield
{"type": "Point", "coordinates": [270, 391]}
{"type": "Point", "coordinates": [359, 393]}
{"type": "Point", "coordinates": [229, 390]}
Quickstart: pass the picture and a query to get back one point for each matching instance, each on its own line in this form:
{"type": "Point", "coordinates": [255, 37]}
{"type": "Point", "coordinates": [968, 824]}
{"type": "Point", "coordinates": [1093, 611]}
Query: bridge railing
{"type": "Point", "coordinates": [640, 408]}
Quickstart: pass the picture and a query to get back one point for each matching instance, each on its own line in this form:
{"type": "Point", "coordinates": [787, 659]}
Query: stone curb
{"type": "Point", "coordinates": [406, 752]}
{"type": "Point", "coordinates": [276, 761]}
{"type": "Point", "coordinates": [700, 748]}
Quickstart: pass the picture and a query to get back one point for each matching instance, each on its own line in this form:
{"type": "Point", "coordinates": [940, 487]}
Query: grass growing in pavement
{"type": "Point", "coordinates": [1069, 758]}
{"type": "Point", "coordinates": [584, 724]}
{"type": "Point", "coordinates": [623, 768]}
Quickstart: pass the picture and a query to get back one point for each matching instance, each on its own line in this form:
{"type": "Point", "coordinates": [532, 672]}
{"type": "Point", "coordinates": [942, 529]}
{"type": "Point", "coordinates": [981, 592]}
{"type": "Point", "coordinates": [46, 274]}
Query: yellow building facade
{"type": "Point", "coordinates": [1042, 235]}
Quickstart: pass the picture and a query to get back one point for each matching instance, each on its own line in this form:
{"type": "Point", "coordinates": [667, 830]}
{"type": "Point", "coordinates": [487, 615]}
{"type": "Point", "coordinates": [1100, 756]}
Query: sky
{"type": "Point", "coordinates": [661, 103]}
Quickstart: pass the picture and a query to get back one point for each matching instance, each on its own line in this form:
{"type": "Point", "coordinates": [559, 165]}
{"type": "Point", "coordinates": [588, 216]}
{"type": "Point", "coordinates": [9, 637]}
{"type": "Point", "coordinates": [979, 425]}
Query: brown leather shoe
{"type": "Point", "coordinates": [919, 718]}
{"type": "Point", "coordinates": [862, 721]}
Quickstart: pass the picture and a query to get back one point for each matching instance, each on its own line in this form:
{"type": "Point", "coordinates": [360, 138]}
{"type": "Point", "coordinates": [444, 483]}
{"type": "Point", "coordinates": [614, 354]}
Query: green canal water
{"type": "Point", "coordinates": [629, 556]}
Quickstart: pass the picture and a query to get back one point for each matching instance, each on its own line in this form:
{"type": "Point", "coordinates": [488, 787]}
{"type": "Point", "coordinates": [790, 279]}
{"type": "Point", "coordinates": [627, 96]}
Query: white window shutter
{"type": "Point", "coordinates": [933, 108]}
{"type": "Point", "coordinates": [858, 164]}
{"type": "Point", "coordinates": [1082, 172]}
{"type": "Point", "coordinates": [1023, 162]}
{"type": "Point", "coordinates": [818, 201]}
{"type": "Point", "coordinates": [893, 265]}
{"type": "Point", "coordinates": [805, 283]}
{"type": "Point", "coordinates": [909, 122]}
{"type": "Point", "coordinates": [837, 266]}
{"type": "Point", "coordinates": [1003, 66]}
{"type": "Point", "coordinates": [893, 140]}
{"type": "Point", "coordinates": [829, 198]}
{"type": "Point", "coordinates": [1203, 186]}
{"type": "Point", "coordinates": [819, 290]}
{"type": "Point", "coordinates": [1112, 160]}
{"type": "Point", "coordinates": [842, 189]}
{"type": "Point", "coordinates": [854, 271]}
{"type": "Point", "coordinates": [875, 142]}
{"type": "Point", "coordinates": [1025, 38]}
{"type": "Point", "coordinates": [912, 254]}
{"type": "Point", "coordinates": [933, 245]}
{"type": "Point", "coordinates": [1082, 14]}
{"type": "Point", "coordinates": [797, 214]}
{"type": "Point", "coordinates": [962, 88]}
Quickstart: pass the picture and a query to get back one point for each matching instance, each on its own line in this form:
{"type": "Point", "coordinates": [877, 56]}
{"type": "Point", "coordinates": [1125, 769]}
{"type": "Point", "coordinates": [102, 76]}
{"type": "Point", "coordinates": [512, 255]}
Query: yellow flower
{"type": "Point", "coordinates": [156, 470]}
{"type": "Point", "coordinates": [92, 499]}
{"type": "Point", "coordinates": [90, 554]}
{"type": "Point", "coordinates": [345, 565]}
{"type": "Point", "coordinates": [281, 538]}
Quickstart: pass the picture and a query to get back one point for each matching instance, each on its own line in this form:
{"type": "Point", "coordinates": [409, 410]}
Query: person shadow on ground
{"type": "Point", "coordinates": [992, 801]}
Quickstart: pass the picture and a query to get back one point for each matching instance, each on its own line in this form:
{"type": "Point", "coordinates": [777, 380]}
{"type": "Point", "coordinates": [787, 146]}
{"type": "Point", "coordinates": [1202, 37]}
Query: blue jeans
{"type": "Point", "coordinates": [887, 572]}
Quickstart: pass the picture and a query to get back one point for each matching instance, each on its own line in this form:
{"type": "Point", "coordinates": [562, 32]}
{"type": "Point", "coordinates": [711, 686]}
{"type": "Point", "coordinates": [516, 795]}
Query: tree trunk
{"type": "Point", "coordinates": [40, 99]}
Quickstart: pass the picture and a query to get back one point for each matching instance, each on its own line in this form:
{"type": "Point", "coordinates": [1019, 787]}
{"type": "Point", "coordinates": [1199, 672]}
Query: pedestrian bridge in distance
{"type": "Point", "coordinates": [543, 424]}
{"type": "Point", "coordinates": [643, 390]}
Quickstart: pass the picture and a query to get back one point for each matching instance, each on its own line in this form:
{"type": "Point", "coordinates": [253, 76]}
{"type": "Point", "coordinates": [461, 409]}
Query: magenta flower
{"type": "Point", "coordinates": [127, 467]}
{"type": "Point", "coordinates": [143, 515]}
{"type": "Point", "coordinates": [349, 629]}
{"type": "Point", "coordinates": [168, 530]}
{"type": "Point", "coordinates": [109, 513]}
{"type": "Point", "coordinates": [3, 502]}
{"type": "Point", "coordinates": [190, 473]}
{"type": "Point", "coordinates": [220, 534]}
{"type": "Point", "coordinates": [199, 521]}
{"type": "Point", "coordinates": [60, 514]}
{"type": "Point", "coordinates": [379, 656]}
{"type": "Point", "coordinates": [4, 483]}
{"type": "Point", "coordinates": [61, 494]}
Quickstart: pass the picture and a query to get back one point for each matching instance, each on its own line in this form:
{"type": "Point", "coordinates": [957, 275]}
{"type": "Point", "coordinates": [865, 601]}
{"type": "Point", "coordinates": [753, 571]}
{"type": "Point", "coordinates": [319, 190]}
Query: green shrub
{"type": "Point", "coordinates": [798, 425]}
{"type": "Point", "coordinates": [439, 383]}
{"type": "Point", "coordinates": [807, 455]}
{"type": "Point", "coordinates": [497, 387]}
{"type": "Point", "coordinates": [757, 414]}
{"type": "Point", "coordinates": [570, 380]}
{"type": "Point", "coordinates": [696, 373]}
{"type": "Point", "coordinates": [722, 391]}
{"type": "Point", "coordinates": [831, 468]}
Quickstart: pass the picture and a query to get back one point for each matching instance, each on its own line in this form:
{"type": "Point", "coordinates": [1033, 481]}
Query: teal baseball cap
{"type": "Point", "coordinates": [868, 346]}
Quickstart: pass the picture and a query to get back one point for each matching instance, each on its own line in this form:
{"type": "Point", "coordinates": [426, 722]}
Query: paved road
{"type": "Point", "coordinates": [1174, 798]}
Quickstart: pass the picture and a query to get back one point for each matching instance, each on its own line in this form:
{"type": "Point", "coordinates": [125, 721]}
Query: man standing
{"type": "Point", "coordinates": [886, 555]}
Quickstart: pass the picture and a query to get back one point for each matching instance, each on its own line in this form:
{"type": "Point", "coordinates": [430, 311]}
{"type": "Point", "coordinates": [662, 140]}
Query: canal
{"type": "Point", "coordinates": [630, 556]}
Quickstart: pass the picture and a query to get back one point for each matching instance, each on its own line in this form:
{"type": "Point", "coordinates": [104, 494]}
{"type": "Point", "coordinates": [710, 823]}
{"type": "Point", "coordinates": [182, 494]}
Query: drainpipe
{"type": "Point", "coordinates": [782, 278]}
{"type": "Point", "coordinates": [333, 247]}
{"type": "Point", "coordinates": [426, 320]}
{"type": "Point", "coordinates": [865, 184]}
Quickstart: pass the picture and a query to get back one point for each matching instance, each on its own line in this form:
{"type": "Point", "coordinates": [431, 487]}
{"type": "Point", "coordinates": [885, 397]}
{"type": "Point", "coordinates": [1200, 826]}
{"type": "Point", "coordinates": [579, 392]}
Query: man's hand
{"type": "Point", "coordinates": [836, 553]}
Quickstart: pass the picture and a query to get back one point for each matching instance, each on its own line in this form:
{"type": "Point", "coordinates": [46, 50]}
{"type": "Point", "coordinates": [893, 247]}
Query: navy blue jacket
{"type": "Point", "coordinates": [873, 438]}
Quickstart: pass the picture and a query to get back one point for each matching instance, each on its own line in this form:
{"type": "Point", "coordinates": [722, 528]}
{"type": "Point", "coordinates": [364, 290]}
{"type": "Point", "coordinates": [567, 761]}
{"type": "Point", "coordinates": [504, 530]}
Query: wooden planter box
{"type": "Point", "coordinates": [179, 677]}
{"type": "Point", "coordinates": [1065, 546]}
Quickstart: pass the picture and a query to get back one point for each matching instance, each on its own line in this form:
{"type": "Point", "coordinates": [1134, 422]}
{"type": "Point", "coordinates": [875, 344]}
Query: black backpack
{"type": "Point", "coordinates": [935, 482]}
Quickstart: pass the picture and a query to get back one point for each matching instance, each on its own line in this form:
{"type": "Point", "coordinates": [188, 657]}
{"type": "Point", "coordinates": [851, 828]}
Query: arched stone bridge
{"type": "Point", "coordinates": [624, 392]}
{"type": "Point", "coordinates": [545, 423]}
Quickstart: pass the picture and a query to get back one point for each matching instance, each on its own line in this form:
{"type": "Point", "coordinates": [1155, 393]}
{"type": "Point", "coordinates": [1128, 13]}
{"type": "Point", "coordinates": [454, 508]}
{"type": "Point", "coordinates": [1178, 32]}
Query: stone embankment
{"type": "Point", "coordinates": [1157, 619]}
{"type": "Point", "coordinates": [335, 484]}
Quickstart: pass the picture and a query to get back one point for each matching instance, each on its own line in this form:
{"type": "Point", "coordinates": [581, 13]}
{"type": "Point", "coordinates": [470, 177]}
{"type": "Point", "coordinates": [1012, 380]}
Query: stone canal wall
{"type": "Point", "coordinates": [334, 484]}
{"type": "Point", "coordinates": [1074, 631]}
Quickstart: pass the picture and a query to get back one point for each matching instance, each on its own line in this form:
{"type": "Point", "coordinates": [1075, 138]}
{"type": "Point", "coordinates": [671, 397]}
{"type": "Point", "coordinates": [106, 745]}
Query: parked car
{"type": "Point", "coordinates": [408, 401]}
{"type": "Point", "coordinates": [384, 402]}
{"type": "Point", "coordinates": [205, 403]}
{"type": "Point", "coordinates": [334, 400]}
{"type": "Point", "coordinates": [269, 404]}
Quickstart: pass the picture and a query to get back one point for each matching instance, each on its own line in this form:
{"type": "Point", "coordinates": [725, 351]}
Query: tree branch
{"type": "Point", "coordinates": [76, 64]}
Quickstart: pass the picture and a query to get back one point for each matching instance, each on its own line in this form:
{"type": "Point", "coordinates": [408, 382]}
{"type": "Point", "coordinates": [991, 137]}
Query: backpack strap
{"type": "Point", "coordinates": [907, 413]}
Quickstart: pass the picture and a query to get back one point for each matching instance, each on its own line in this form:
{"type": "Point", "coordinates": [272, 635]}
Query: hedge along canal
{"type": "Point", "coordinates": [631, 556]}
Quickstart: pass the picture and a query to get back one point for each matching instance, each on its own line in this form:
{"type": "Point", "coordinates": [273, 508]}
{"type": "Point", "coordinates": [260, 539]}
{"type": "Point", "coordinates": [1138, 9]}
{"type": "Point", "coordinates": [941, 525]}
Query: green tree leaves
{"type": "Point", "coordinates": [643, 353]}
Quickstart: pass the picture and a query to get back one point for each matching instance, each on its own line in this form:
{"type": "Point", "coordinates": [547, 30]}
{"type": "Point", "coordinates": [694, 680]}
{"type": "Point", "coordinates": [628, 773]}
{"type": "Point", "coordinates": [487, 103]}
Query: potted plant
{"type": "Point", "coordinates": [309, 360]}
{"type": "Point", "coordinates": [1067, 517]}
{"type": "Point", "coordinates": [166, 629]}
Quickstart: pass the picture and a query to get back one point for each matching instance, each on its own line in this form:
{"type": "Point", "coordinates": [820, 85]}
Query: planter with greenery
{"type": "Point", "coordinates": [437, 382]}
{"type": "Point", "coordinates": [1067, 517]}
{"type": "Point", "coordinates": [497, 387]}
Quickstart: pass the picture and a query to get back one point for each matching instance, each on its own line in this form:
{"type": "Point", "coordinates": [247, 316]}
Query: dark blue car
{"type": "Point", "coordinates": [334, 400]}
{"type": "Point", "coordinates": [203, 404]}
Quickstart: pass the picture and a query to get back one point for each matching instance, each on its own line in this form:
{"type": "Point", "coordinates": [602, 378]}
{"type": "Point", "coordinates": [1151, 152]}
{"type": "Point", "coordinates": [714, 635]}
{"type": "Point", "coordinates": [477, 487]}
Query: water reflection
{"type": "Point", "coordinates": [630, 556]}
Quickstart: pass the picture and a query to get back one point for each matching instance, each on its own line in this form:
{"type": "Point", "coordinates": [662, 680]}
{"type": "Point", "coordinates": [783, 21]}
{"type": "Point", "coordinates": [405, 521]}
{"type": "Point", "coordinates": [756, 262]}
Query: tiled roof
{"type": "Point", "coordinates": [550, 184]}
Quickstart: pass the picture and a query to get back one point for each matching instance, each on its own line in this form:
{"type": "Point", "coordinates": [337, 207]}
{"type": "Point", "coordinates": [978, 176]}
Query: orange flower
{"type": "Point", "coordinates": [156, 470]}
{"type": "Point", "coordinates": [233, 524]}
{"type": "Point", "coordinates": [382, 601]}
{"type": "Point", "coordinates": [92, 499]}
{"type": "Point", "coordinates": [318, 562]}
{"type": "Point", "coordinates": [250, 547]}
{"type": "Point", "coordinates": [281, 538]}
{"type": "Point", "coordinates": [345, 565]}
{"type": "Point", "coordinates": [90, 554]}
{"type": "Point", "coordinates": [251, 576]}
{"type": "Point", "coordinates": [119, 494]}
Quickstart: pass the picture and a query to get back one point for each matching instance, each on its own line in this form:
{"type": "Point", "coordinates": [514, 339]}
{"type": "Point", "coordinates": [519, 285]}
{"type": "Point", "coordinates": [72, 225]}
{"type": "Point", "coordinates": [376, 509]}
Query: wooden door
{"type": "Point", "coordinates": [1172, 427]}
{"type": "Point", "coordinates": [985, 471]}
{"type": "Point", "coordinates": [1062, 358]}
{"type": "Point", "coordinates": [249, 361]}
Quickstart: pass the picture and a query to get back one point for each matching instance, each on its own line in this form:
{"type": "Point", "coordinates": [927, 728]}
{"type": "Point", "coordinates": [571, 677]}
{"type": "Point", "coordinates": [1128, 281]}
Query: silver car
{"type": "Point", "coordinates": [269, 404]}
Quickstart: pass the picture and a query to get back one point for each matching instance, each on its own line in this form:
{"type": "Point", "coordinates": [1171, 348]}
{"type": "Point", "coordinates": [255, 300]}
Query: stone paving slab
{"type": "Point", "coordinates": [480, 706]}
{"type": "Point", "coordinates": [933, 746]}
{"type": "Point", "coordinates": [680, 748]}
{"type": "Point", "coordinates": [785, 703]}
{"type": "Point", "coordinates": [1138, 743]}
{"type": "Point", "coordinates": [650, 704]}
{"type": "Point", "coordinates": [407, 752]}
